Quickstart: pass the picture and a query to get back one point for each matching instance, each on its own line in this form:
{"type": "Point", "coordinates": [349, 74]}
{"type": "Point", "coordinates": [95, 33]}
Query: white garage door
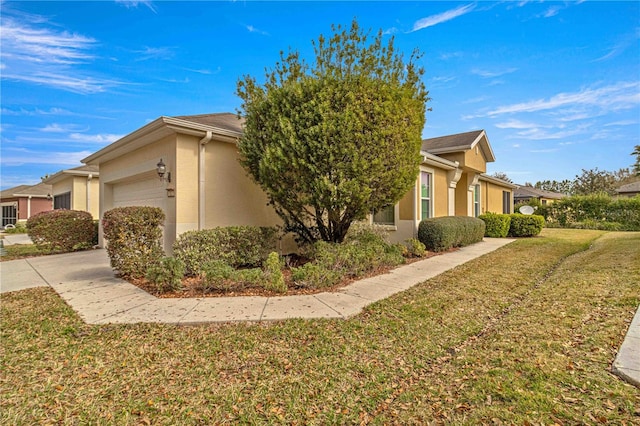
{"type": "Point", "coordinates": [146, 192]}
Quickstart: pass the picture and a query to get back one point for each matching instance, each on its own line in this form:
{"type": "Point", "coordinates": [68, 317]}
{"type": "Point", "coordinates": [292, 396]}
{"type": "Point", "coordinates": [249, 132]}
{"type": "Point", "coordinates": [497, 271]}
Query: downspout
{"type": "Point", "coordinates": [89, 192]}
{"type": "Point", "coordinates": [201, 178]}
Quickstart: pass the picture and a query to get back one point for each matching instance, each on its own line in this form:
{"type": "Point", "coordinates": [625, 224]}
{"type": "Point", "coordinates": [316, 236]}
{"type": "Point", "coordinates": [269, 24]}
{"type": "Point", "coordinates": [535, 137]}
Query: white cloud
{"type": "Point", "coordinates": [38, 52]}
{"type": "Point", "coordinates": [154, 53]}
{"type": "Point", "coordinates": [516, 124]}
{"type": "Point", "coordinates": [97, 138]}
{"type": "Point", "coordinates": [492, 74]}
{"type": "Point", "coordinates": [622, 123]}
{"type": "Point", "coordinates": [622, 95]}
{"type": "Point", "coordinates": [61, 128]}
{"type": "Point", "coordinates": [432, 20]}
{"type": "Point", "coordinates": [133, 4]}
{"type": "Point", "coordinates": [21, 156]}
{"type": "Point", "coordinates": [552, 11]}
{"type": "Point", "coordinates": [253, 29]}
{"type": "Point", "coordinates": [622, 45]}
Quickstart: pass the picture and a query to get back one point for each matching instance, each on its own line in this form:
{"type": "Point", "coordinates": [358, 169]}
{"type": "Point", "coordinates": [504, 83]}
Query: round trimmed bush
{"type": "Point", "coordinates": [62, 230]}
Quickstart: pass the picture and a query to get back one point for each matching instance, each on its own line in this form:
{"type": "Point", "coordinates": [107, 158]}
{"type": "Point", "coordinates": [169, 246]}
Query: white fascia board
{"type": "Point", "coordinates": [497, 181]}
{"type": "Point", "coordinates": [153, 131]}
{"type": "Point", "coordinates": [433, 160]}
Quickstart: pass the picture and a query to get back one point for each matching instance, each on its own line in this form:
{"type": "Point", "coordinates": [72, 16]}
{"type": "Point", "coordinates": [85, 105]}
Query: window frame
{"type": "Point", "coordinates": [506, 202]}
{"type": "Point", "coordinates": [59, 199]}
{"type": "Point", "coordinates": [430, 173]}
{"type": "Point", "coordinates": [390, 224]}
{"type": "Point", "coordinates": [477, 197]}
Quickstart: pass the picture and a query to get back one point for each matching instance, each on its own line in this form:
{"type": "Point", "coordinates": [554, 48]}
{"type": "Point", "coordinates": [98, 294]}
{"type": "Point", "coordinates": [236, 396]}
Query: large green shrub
{"type": "Point", "coordinates": [234, 245]}
{"type": "Point", "coordinates": [497, 225]}
{"type": "Point", "coordinates": [274, 279]}
{"type": "Point", "coordinates": [363, 250]}
{"type": "Point", "coordinates": [134, 238]}
{"type": "Point", "coordinates": [62, 230]}
{"type": "Point", "coordinates": [525, 225]}
{"type": "Point", "coordinates": [443, 233]}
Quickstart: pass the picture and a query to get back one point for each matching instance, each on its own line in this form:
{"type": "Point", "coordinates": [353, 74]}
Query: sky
{"type": "Point", "coordinates": [555, 85]}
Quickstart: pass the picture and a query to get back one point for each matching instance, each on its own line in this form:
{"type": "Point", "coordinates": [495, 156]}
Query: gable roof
{"type": "Point", "coordinates": [531, 192]}
{"type": "Point", "coordinates": [629, 188]}
{"type": "Point", "coordinates": [225, 126]}
{"type": "Point", "coordinates": [84, 170]}
{"type": "Point", "coordinates": [459, 142]}
{"type": "Point", "coordinates": [40, 190]}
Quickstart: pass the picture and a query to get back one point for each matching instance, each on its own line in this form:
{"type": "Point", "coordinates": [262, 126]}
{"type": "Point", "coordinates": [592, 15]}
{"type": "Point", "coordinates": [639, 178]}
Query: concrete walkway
{"type": "Point", "coordinates": [10, 239]}
{"type": "Point", "coordinates": [87, 283]}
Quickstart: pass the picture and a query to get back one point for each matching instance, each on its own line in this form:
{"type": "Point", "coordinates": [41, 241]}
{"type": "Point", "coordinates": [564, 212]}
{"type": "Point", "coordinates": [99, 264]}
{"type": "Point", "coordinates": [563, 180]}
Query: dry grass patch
{"type": "Point", "coordinates": [487, 342]}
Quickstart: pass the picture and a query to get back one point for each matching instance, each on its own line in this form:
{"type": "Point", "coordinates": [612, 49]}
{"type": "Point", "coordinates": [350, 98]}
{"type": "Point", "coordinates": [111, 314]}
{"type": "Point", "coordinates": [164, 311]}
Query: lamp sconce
{"type": "Point", "coordinates": [49, 197]}
{"type": "Point", "coordinates": [162, 171]}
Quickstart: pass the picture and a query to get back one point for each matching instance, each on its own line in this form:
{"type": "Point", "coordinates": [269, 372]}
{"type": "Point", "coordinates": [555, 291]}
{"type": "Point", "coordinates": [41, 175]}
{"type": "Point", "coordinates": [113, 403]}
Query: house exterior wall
{"type": "Point", "coordinates": [77, 186]}
{"type": "Point", "coordinates": [186, 183]}
{"type": "Point", "coordinates": [28, 207]}
{"type": "Point", "coordinates": [136, 171]}
{"type": "Point", "coordinates": [440, 193]}
{"type": "Point", "coordinates": [472, 160]}
{"type": "Point", "coordinates": [232, 198]}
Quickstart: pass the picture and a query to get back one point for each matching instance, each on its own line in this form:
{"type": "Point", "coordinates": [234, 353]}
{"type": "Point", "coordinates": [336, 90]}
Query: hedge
{"type": "Point", "coordinates": [594, 212]}
{"type": "Point", "coordinates": [443, 233]}
{"type": "Point", "coordinates": [62, 230]}
{"type": "Point", "coordinates": [525, 225]}
{"type": "Point", "coordinates": [234, 245]}
{"type": "Point", "coordinates": [134, 236]}
{"type": "Point", "coordinates": [497, 225]}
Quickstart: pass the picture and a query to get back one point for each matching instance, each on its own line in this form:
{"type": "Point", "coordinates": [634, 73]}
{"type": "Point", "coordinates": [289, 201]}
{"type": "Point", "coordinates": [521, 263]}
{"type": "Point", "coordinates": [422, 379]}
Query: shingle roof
{"type": "Point", "coordinates": [531, 192]}
{"type": "Point", "coordinates": [38, 190]}
{"type": "Point", "coordinates": [223, 120]}
{"type": "Point", "coordinates": [451, 143]}
{"type": "Point", "coordinates": [85, 168]}
{"type": "Point", "coordinates": [8, 193]}
{"type": "Point", "coordinates": [630, 187]}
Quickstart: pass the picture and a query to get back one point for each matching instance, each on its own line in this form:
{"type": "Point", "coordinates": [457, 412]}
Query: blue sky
{"type": "Point", "coordinates": [556, 85]}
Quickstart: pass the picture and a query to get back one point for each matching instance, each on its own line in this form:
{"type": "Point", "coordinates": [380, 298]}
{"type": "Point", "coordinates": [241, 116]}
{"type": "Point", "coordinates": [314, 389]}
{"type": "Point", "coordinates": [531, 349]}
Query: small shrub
{"type": "Point", "coordinates": [134, 238]}
{"type": "Point", "coordinates": [312, 275]}
{"type": "Point", "coordinates": [18, 228]}
{"type": "Point", "coordinates": [497, 225]}
{"type": "Point", "coordinates": [61, 230]}
{"type": "Point", "coordinates": [167, 275]}
{"type": "Point", "coordinates": [252, 277]}
{"type": "Point", "coordinates": [234, 245]}
{"type": "Point", "coordinates": [274, 280]}
{"type": "Point", "coordinates": [363, 250]}
{"type": "Point", "coordinates": [217, 275]}
{"type": "Point", "coordinates": [443, 233]}
{"type": "Point", "coordinates": [525, 225]}
{"type": "Point", "coordinates": [415, 248]}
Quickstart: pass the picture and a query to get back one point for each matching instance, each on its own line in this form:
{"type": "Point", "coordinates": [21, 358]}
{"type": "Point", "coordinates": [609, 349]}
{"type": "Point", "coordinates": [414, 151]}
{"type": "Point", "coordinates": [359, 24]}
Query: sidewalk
{"type": "Point", "coordinates": [86, 282]}
{"type": "Point", "coordinates": [10, 239]}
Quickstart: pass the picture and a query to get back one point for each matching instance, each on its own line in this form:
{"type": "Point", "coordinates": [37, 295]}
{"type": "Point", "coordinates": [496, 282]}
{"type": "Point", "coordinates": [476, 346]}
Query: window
{"type": "Point", "coordinates": [544, 202]}
{"type": "Point", "coordinates": [9, 214]}
{"type": "Point", "coordinates": [385, 216]}
{"type": "Point", "coordinates": [476, 200]}
{"type": "Point", "coordinates": [506, 202]}
{"type": "Point", "coordinates": [62, 201]}
{"type": "Point", "coordinates": [425, 195]}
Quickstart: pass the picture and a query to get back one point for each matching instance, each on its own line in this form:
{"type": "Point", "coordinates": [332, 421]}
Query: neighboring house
{"type": "Point", "coordinates": [524, 194]}
{"type": "Point", "coordinates": [21, 202]}
{"type": "Point", "coordinates": [204, 186]}
{"type": "Point", "coordinates": [629, 190]}
{"type": "Point", "coordinates": [76, 189]}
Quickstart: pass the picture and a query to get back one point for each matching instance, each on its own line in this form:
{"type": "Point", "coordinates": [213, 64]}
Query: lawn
{"type": "Point", "coordinates": [523, 335]}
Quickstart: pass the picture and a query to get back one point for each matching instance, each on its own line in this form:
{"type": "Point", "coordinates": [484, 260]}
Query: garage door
{"type": "Point", "coordinates": [146, 192]}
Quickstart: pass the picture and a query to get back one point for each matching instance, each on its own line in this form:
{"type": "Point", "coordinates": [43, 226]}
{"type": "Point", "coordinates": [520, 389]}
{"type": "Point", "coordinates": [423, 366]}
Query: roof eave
{"type": "Point", "coordinates": [149, 133]}
{"type": "Point", "coordinates": [434, 160]}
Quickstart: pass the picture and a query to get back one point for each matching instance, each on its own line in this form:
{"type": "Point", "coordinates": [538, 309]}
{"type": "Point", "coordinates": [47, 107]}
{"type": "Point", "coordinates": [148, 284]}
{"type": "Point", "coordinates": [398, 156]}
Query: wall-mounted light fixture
{"type": "Point", "coordinates": [49, 197]}
{"type": "Point", "coordinates": [162, 171]}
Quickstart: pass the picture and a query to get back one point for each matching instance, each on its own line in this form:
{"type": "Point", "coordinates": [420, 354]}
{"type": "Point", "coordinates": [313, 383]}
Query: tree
{"type": "Point", "coordinates": [503, 176]}
{"type": "Point", "coordinates": [636, 166]}
{"type": "Point", "coordinates": [562, 187]}
{"type": "Point", "coordinates": [595, 181]}
{"type": "Point", "coordinates": [332, 141]}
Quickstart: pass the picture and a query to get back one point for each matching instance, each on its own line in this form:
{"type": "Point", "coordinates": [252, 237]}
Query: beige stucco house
{"type": "Point", "coordinates": [76, 189]}
{"type": "Point", "coordinates": [204, 186]}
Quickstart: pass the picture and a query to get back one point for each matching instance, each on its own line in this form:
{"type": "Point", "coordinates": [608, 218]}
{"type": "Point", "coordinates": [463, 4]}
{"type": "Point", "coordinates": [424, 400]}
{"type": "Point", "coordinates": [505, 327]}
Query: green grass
{"type": "Point", "coordinates": [524, 335]}
{"type": "Point", "coordinates": [19, 251]}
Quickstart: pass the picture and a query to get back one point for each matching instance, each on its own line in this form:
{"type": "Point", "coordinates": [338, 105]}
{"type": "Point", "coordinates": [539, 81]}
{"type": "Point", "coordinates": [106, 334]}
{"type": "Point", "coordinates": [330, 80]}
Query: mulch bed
{"type": "Point", "coordinates": [192, 286]}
